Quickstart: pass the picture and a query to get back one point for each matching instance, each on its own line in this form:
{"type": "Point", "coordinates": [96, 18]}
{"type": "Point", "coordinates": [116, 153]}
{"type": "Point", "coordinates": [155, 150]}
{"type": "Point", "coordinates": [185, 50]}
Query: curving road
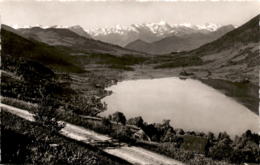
{"type": "Point", "coordinates": [132, 154]}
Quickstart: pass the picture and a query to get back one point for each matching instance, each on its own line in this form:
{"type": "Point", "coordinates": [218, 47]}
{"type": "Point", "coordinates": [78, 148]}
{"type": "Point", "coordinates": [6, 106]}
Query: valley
{"type": "Point", "coordinates": [59, 75]}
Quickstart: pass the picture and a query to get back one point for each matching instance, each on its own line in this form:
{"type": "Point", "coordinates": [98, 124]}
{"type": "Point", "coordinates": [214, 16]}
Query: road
{"type": "Point", "coordinates": [132, 154]}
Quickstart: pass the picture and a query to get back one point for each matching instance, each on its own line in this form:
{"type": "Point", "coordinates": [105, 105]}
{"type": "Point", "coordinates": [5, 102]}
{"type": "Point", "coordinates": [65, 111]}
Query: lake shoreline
{"type": "Point", "coordinates": [249, 98]}
{"type": "Point", "coordinates": [124, 87]}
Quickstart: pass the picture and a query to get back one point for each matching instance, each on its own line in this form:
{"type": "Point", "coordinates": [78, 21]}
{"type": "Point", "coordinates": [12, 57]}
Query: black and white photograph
{"type": "Point", "coordinates": [130, 82]}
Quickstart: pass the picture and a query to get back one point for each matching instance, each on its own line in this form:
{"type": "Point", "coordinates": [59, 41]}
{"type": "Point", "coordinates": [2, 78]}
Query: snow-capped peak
{"type": "Point", "coordinates": [38, 25]}
{"type": "Point", "coordinates": [160, 28]}
{"type": "Point", "coordinates": [209, 26]}
{"type": "Point", "coordinates": [75, 27]}
{"type": "Point", "coordinates": [162, 23]}
{"type": "Point", "coordinates": [60, 27]}
{"type": "Point", "coordinates": [15, 26]}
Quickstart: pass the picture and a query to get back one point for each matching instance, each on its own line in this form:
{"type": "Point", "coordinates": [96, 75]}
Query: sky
{"type": "Point", "coordinates": [93, 14]}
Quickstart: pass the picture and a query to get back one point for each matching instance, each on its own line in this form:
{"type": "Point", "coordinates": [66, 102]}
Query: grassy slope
{"type": "Point", "coordinates": [245, 93]}
{"type": "Point", "coordinates": [69, 151]}
{"type": "Point", "coordinates": [247, 33]}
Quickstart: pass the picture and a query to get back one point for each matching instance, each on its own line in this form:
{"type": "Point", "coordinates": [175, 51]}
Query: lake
{"type": "Point", "coordinates": [189, 104]}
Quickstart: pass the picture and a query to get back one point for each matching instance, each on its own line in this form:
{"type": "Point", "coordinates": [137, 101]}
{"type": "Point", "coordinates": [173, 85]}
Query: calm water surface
{"type": "Point", "coordinates": [189, 104]}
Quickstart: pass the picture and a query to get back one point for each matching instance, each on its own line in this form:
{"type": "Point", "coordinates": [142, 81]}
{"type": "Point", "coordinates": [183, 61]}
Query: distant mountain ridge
{"type": "Point", "coordinates": [179, 42]}
{"type": "Point", "coordinates": [75, 38]}
{"type": "Point", "coordinates": [76, 28]}
{"type": "Point", "coordinates": [80, 31]}
{"type": "Point", "coordinates": [149, 32]}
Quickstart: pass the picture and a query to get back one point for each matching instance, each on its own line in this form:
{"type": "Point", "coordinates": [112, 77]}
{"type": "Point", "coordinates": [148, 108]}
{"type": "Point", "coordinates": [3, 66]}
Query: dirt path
{"type": "Point", "coordinates": [132, 154]}
{"type": "Point", "coordinates": [19, 112]}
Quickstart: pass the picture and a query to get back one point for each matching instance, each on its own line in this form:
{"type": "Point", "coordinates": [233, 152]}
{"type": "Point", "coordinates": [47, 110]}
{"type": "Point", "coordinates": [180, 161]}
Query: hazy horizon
{"type": "Point", "coordinates": [108, 14]}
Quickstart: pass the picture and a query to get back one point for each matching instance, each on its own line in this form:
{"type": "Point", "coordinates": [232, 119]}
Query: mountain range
{"type": "Point", "coordinates": [74, 38]}
{"type": "Point", "coordinates": [63, 50]}
{"type": "Point", "coordinates": [152, 38]}
{"type": "Point", "coordinates": [177, 42]}
{"type": "Point", "coordinates": [148, 32]}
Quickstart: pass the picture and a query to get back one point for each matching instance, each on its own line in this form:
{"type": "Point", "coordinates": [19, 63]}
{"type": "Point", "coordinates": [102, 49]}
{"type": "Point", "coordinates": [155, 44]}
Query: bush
{"type": "Point", "coordinates": [221, 151]}
{"type": "Point", "coordinates": [119, 117]}
{"type": "Point", "coordinates": [196, 144]}
{"type": "Point", "coordinates": [123, 134]}
{"type": "Point", "coordinates": [137, 121]}
{"type": "Point", "coordinates": [47, 116]}
{"type": "Point", "coordinates": [82, 105]}
{"type": "Point", "coordinates": [106, 123]}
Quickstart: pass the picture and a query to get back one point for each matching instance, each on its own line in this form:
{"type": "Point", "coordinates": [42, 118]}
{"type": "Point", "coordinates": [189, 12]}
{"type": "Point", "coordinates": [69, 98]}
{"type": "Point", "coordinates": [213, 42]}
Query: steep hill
{"type": "Point", "coordinates": [235, 56]}
{"type": "Point", "coordinates": [17, 46]}
{"type": "Point", "coordinates": [247, 33]}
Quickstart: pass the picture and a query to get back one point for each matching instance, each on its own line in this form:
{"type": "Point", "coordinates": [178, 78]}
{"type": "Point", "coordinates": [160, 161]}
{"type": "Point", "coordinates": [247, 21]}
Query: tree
{"type": "Point", "coordinates": [119, 117]}
{"type": "Point", "coordinates": [237, 156]}
{"type": "Point", "coordinates": [152, 132]}
{"type": "Point", "coordinates": [222, 150]}
{"type": "Point", "coordinates": [246, 148]}
{"type": "Point", "coordinates": [169, 136]}
{"type": "Point", "coordinates": [224, 135]}
{"type": "Point", "coordinates": [106, 122]}
{"type": "Point", "coordinates": [210, 143]}
{"type": "Point", "coordinates": [137, 121]}
{"type": "Point", "coordinates": [166, 123]}
{"type": "Point", "coordinates": [123, 134]}
{"type": "Point", "coordinates": [180, 132]}
{"type": "Point", "coordinates": [211, 136]}
{"type": "Point", "coordinates": [85, 105]}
